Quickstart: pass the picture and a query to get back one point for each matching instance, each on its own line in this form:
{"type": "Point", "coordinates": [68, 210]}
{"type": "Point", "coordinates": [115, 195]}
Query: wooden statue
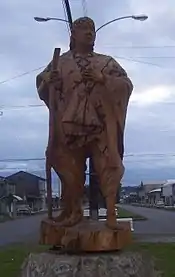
{"type": "Point", "coordinates": [91, 94]}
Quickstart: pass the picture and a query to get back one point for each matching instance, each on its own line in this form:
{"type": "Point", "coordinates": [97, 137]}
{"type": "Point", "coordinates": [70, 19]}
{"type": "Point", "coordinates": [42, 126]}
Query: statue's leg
{"type": "Point", "coordinates": [109, 184]}
{"type": "Point", "coordinates": [70, 167]}
{"type": "Point", "coordinates": [65, 209]}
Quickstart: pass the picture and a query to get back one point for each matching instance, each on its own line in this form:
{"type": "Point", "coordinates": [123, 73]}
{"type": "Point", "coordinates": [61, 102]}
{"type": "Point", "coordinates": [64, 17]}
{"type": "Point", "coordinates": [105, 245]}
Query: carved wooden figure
{"type": "Point", "coordinates": [91, 94]}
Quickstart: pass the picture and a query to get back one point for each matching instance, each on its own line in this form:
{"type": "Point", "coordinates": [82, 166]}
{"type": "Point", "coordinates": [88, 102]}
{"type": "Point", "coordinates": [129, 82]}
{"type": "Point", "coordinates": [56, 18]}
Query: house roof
{"type": "Point", "coordinates": [24, 173]}
{"type": "Point", "coordinates": [156, 182]}
{"type": "Point", "coordinates": [16, 197]}
{"type": "Point", "coordinates": [169, 183]}
{"type": "Point", "coordinates": [6, 181]}
{"type": "Point", "coordinates": [155, 190]}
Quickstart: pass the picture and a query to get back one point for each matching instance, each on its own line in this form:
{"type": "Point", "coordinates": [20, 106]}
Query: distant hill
{"type": "Point", "coordinates": [135, 176]}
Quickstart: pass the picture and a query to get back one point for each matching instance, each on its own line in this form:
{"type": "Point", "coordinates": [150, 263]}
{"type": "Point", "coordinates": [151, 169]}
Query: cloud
{"type": "Point", "coordinates": [28, 45]}
{"type": "Point", "coordinates": [154, 95]}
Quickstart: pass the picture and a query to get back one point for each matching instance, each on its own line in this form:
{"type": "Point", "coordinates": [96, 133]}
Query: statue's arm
{"type": "Point", "coordinates": [119, 85]}
{"type": "Point", "coordinates": [115, 73]}
{"type": "Point", "coordinates": [42, 84]}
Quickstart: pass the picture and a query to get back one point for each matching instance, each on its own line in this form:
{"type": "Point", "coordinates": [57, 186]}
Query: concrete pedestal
{"type": "Point", "coordinates": [102, 265]}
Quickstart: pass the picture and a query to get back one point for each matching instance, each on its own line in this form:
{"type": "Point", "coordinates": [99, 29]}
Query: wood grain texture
{"type": "Point", "coordinates": [89, 235]}
{"type": "Point", "coordinates": [87, 111]}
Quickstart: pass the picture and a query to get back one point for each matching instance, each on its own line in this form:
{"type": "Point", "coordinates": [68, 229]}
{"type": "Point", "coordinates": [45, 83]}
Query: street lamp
{"type": "Point", "coordinates": [44, 19]}
{"type": "Point", "coordinates": [135, 17]}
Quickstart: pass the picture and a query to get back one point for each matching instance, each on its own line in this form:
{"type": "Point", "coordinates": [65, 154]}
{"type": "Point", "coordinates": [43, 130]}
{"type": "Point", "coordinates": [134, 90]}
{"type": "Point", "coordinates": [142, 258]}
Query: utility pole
{"type": "Point", "coordinates": [69, 13]}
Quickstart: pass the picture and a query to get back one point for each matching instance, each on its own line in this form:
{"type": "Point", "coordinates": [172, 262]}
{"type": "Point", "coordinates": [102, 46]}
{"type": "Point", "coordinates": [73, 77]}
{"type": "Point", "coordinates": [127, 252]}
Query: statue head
{"type": "Point", "coordinates": [83, 33]}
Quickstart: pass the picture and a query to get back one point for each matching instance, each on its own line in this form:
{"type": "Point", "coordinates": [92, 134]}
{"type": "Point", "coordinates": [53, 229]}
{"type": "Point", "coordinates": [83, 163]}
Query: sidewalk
{"type": "Point", "coordinates": [154, 238]}
{"type": "Point", "coordinates": [167, 208]}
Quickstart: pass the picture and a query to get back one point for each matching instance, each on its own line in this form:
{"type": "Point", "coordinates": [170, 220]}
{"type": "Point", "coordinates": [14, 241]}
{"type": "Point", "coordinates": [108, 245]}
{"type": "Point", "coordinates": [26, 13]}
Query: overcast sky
{"type": "Point", "coordinates": [140, 47]}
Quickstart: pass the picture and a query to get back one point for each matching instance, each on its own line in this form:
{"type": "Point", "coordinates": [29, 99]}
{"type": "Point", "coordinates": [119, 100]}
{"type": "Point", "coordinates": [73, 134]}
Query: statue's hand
{"type": "Point", "coordinates": [52, 76]}
{"type": "Point", "coordinates": [93, 75]}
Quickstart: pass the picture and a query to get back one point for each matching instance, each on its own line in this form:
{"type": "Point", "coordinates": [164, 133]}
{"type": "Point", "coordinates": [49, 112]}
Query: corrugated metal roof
{"type": "Point", "coordinates": [156, 182]}
{"type": "Point", "coordinates": [169, 182]}
{"type": "Point", "coordinates": [17, 197]}
{"type": "Point", "coordinates": [155, 190]}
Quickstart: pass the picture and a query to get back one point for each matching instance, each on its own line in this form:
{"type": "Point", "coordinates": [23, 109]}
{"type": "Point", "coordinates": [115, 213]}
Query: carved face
{"type": "Point", "coordinates": [83, 31]}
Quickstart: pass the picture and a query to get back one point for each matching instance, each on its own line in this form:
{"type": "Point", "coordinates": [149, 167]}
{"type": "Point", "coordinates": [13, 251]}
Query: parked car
{"type": "Point", "coordinates": [160, 203]}
{"type": "Point", "coordinates": [24, 210]}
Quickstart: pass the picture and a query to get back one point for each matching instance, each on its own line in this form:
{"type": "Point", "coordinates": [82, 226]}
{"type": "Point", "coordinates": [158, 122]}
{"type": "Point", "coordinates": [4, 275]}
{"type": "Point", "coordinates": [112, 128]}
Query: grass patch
{"type": "Point", "coordinates": [163, 254]}
{"type": "Point", "coordinates": [124, 214]}
{"type": "Point", "coordinates": [11, 258]}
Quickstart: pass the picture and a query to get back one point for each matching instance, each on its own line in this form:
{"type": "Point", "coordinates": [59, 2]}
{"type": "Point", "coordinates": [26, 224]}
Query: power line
{"type": "Point", "coordinates": [131, 155]}
{"type": "Point", "coordinates": [129, 59]}
{"type": "Point", "coordinates": [137, 61]}
{"type": "Point", "coordinates": [22, 159]}
{"type": "Point", "coordinates": [84, 5]}
{"type": "Point", "coordinates": [22, 106]}
{"type": "Point", "coordinates": [139, 47]}
{"type": "Point", "coordinates": [21, 75]}
{"type": "Point", "coordinates": [41, 105]}
{"type": "Point", "coordinates": [154, 57]}
{"type": "Point", "coordinates": [132, 59]}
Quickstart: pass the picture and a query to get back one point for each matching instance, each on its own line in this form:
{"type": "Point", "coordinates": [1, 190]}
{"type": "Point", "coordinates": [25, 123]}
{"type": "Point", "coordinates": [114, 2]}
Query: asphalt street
{"type": "Point", "coordinates": [160, 226]}
{"type": "Point", "coordinates": [20, 230]}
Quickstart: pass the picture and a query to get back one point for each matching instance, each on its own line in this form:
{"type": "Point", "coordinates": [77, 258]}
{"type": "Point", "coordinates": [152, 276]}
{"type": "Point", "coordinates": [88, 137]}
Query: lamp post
{"type": "Point", "coordinates": [135, 17]}
{"type": "Point", "coordinates": [45, 19]}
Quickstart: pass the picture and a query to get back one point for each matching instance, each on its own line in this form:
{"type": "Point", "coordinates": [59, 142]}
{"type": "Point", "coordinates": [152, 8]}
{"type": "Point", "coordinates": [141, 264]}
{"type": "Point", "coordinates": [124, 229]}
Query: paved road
{"type": "Point", "coordinates": [159, 226]}
{"type": "Point", "coordinates": [20, 230]}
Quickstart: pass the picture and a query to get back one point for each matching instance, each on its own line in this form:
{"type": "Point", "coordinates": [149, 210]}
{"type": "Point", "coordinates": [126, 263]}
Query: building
{"type": "Point", "coordinates": [129, 194]}
{"type": "Point", "coordinates": [168, 192]}
{"type": "Point", "coordinates": [154, 196]}
{"type": "Point", "coordinates": [30, 188]}
{"type": "Point", "coordinates": [150, 191]}
{"type": "Point", "coordinates": [7, 196]}
{"type": "Point", "coordinates": [6, 187]}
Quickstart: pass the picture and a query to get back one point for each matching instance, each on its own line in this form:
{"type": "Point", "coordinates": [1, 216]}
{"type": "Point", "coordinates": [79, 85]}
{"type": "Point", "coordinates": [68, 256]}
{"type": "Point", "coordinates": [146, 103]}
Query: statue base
{"type": "Point", "coordinates": [88, 236]}
{"type": "Point", "coordinates": [126, 264]}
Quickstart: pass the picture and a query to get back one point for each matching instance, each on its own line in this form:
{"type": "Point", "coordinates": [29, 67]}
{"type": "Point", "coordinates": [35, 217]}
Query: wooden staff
{"type": "Point", "coordinates": [51, 133]}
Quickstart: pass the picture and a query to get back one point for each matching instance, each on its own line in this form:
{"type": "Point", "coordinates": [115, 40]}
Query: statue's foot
{"type": "Point", "coordinates": [73, 219]}
{"type": "Point", "coordinates": [111, 223]}
{"type": "Point", "coordinates": [61, 216]}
